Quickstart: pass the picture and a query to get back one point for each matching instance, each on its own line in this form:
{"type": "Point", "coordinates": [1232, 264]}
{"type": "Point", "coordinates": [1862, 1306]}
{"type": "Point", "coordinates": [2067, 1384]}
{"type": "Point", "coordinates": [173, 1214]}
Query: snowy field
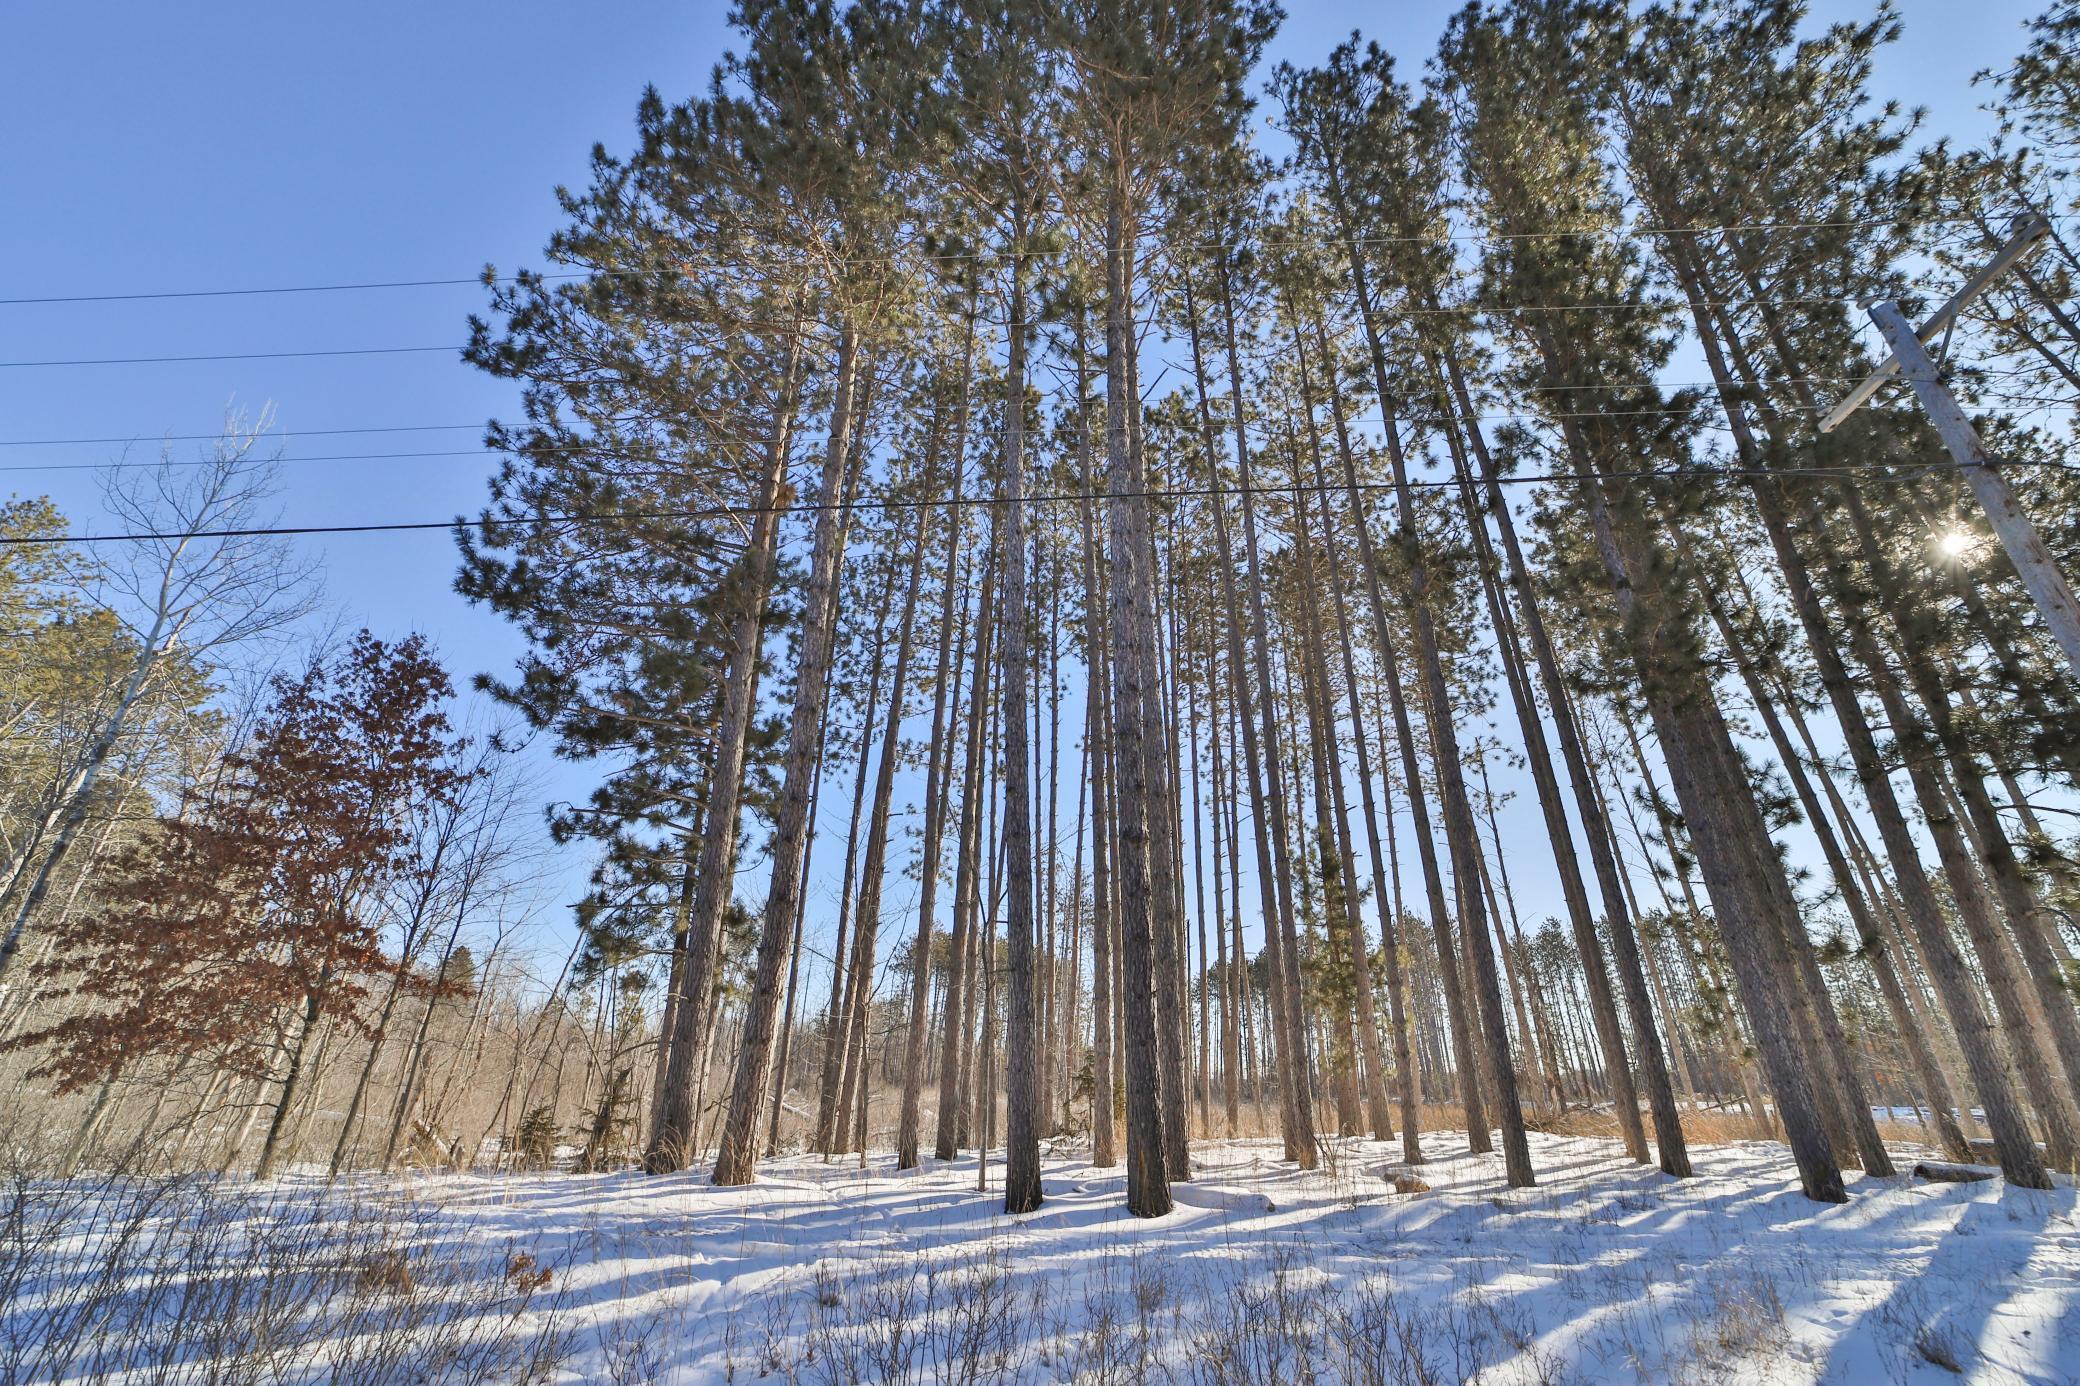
{"type": "Point", "coordinates": [827, 1273]}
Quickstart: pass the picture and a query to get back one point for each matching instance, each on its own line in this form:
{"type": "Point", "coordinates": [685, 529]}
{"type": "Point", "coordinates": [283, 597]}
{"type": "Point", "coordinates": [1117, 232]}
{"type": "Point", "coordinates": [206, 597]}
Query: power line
{"type": "Point", "coordinates": [211, 437]}
{"type": "Point", "coordinates": [205, 461]}
{"type": "Point", "coordinates": [1048, 498]}
{"type": "Point", "coordinates": [1452, 310]}
{"type": "Point", "coordinates": [1459, 310]}
{"type": "Point", "coordinates": [597, 451]}
{"type": "Point", "coordinates": [405, 350]}
{"type": "Point", "coordinates": [243, 293]}
{"type": "Point", "coordinates": [226, 356]}
{"type": "Point", "coordinates": [1668, 305]}
{"type": "Point", "coordinates": [593, 449]}
{"type": "Point", "coordinates": [1321, 242]}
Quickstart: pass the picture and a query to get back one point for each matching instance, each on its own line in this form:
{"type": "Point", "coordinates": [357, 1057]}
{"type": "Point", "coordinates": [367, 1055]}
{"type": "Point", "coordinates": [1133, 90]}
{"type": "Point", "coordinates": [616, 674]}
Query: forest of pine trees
{"type": "Point", "coordinates": [1097, 578]}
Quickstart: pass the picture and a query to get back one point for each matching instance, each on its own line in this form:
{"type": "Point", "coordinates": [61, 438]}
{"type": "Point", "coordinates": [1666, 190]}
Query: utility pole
{"type": "Point", "coordinates": [1910, 358]}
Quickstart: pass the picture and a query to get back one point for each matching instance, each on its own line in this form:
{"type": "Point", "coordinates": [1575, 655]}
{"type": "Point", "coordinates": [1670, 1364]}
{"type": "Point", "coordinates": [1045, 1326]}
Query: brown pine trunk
{"type": "Point", "coordinates": [1741, 869]}
{"type": "Point", "coordinates": [736, 1156]}
{"type": "Point", "coordinates": [961, 946]}
{"type": "Point", "coordinates": [937, 767]}
{"type": "Point", "coordinates": [866, 932]}
{"type": "Point", "coordinates": [1240, 1004]}
{"type": "Point", "coordinates": [673, 1120]}
{"type": "Point", "coordinates": [1412, 777]}
{"type": "Point", "coordinates": [1872, 938]}
{"type": "Point", "coordinates": [1530, 1020]}
{"type": "Point", "coordinates": [836, 1031]}
{"type": "Point", "coordinates": [1022, 1040]}
{"type": "Point", "coordinates": [1458, 814]}
{"type": "Point", "coordinates": [1260, 757]}
{"type": "Point", "coordinates": [1368, 1020]}
{"type": "Point", "coordinates": [1841, 1094]}
{"type": "Point", "coordinates": [1049, 872]}
{"type": "Point", "coordinates": [1223, 976]}
{"type": "Point", "coordinates": [1673, 1150]}
{"type": "Point", "coordinates": [2018, 898]}
{"type": "Point", "coordinates": [1136, 743]}
{"type": "Point", "coordinates": [1165, 858]}
{"type": "Point", "coordinates": [832, 1076]}
{"type": "Point", "coordinates": [1203, 1078]}
{"type": "Point", "coordinates": [1172, 959]}
{"type": "Point", "coordinates": [794, 961]}
{"type": "Point", "coordinates": [1954, 984]}
{"type": "Point", "coordinates": [1097, 732]}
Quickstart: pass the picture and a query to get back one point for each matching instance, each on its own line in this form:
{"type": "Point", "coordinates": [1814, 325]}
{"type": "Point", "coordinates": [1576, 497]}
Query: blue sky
{"type": "Point", "coordinates": [157, 147]}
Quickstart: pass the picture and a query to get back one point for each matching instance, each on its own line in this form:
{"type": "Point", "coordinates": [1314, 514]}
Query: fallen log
{"type": "Point", "coordinates": [1943, 1173]}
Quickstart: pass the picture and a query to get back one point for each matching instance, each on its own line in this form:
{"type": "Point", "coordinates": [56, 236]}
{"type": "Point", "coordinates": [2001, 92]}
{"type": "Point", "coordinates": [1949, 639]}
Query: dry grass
{"type": "Point", "coordinates": [194, 1279]}
{"type": "Point", "coordinates": [1709, 1127]}
{"type": "Point", "coordinates": [1260, 1120]}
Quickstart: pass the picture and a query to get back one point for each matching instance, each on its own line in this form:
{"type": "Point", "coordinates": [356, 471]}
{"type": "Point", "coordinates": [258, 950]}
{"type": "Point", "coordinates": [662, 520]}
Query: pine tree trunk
{"type": "Point", "coordinates": [1341, 1050]}
{"type": "Point", "coordinates": [675, 975]}
{"type": "Point", "coordinates": [830, 1090]}
{"type": "Point", "coordinates": [1946, 968]}
{"type": "Point", "coordinates": [1841, 1094]}
{"type": "Point", "coordinates": [737, 1150]}
{"type": "Point", "coordinates": [1165, 860]}
{"type": "Point", "coordinates": [1204, 1074]}
{"type": "Point", "coordinates": [1673, 1150]}
{"type": "Point", "coordinates": [1367, 1018]}
{"type": "Point", "coordinates": [1458, 820]}
{"type": "Point", "coordinates": [1433, 881]}
{"type": "Point", "coordinates": [2018, 899]}
{"type": "Point", "coordinates": [673, 1120]}
{"type": "Point", "coordinates": [1097, 732]}
{"type": "Point", "coordinates": [1022, 1040]}
{"type": "Point", "coordinates": [1274, 871]}
{"type": "Point", "coordinates": [1135, 741]}
{"type": "Point", "coordinates": [1742, 872]}
{"type": "Point", "coordinates": [1226, 964]}
{"type": "Point", "coordinates": [1530, 1025]}
{"type": "Point", "coordinates": [778, 1081]}
{"type": "Point", "coordinates": [1868, 933]}
{"type": "Point", "coordinates": [935, 795]}
{"type": "Point", "coordinates": [866, 932]}
{"type": "Point", "coordinates": [967, 888]}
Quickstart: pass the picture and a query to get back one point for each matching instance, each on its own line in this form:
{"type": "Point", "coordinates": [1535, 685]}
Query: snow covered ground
{"type": "Point", "coordinates": [824, 1272]}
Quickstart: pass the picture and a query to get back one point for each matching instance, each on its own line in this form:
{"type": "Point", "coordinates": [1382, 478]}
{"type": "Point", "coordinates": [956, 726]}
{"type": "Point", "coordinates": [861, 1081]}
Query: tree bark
{"type": "Point", "coordinates": [1260, 756]}
{"type": "Point", "coordinates": [714, 876]}
{"type": "Point", "coordinates": [1134, 740]}
{"type": "Point", "coordinates": [1022, 1042]}
{"type": "Point", "coordinates": [737, 1152]}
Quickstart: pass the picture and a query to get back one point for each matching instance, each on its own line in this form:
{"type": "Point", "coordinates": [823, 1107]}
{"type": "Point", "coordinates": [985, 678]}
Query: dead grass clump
{"type": "Point", "coordinates": [1709, 1127]}
{"type": "Point", "coordinates": [389, 1270]}
{"type": "Point", "coordinates": [900, 1319]}
{"type": "Point", "coordinates": [1935, 1345]}
{"type": "Point", "coordinates": [1903, 1133]}
{"type": "Point", "coordinates": [1922, 1332]}
{"type": "Point", "coordinates": [199, 1280]}
{"type": "Point", "coordinates": [1742, 1314]}
{"type": "Point", "coordinates": [1287, 1322]}
{"type": "Point", "coordinates": [527, 1275]}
